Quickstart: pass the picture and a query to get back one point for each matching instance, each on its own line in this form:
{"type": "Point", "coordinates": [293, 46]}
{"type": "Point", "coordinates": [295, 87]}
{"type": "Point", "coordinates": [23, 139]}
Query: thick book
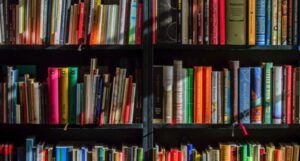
{"type": "Point", "coordinates": [64, 95]}
{"type": "Point", "coordinates": [214, 22]}
{"type": "Point", "coordinates": [236, 22]}
{"type": "Point", "coordinates": [198, 95]}
{"type": "Point", "coordinates": [190, 95]}
{"type": "Point", "coordinates": [277, 95]}
{"type": "Point", "coordinates": [244, 95]}
{"type": "Point", "coordinates": [53, 74]}
{"type": "Point", "coordinates": [177, 111]}
{"type": "Point", "coordinates": [73, 77]}
{"type": "Point", "coordinates": [207, 71]}
{"type": "Point", "coordinates": [260, 22]}
{"type": "Point", "coordinates": [251, 21]}
{"type": "Point", "coordinates": [167, 93]}
{"type": "Point", "coordinates": [166, 19]}
{"type": "Point", "coordinates": [288, 94]}
{"type": "Point", "coordinates": [222, 21]}
{"type": "Point", "coordinates": [267, 92]}
{"type": "Point", "coordinates": [256, 96]}
{"type": "Point", "coordinates": [234, 67]}
{"type": "Point", "coordinates": [158, 94]}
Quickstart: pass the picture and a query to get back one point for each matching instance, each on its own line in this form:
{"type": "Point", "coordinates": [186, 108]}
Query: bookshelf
{"type": "Point", "coordinates": [146, 56]}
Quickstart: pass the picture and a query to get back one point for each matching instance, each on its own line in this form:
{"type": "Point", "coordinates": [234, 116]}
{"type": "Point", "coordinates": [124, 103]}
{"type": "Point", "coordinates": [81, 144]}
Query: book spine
{"type": "Point", "coordinates": [132, 26]}
{"type": "Point", "coordinates": [158, 94]}
{"type": "Point", "coordinates": [206, 22]}
{"type": "Point", "coordinates": [256, 96]}
{"type": "Point", "coordinates": [268, 21]}
{"type": "Point", "coordinates": [200, 34]}
{"type": "Point", "coordinates": [185, 21]}
{"type": "Point", "coordinates": [274, 22]}
{"type": "Point", "coordinates": [168, 90]}
{"type": "Point", "coordinates": [251, 22]}
{"type": "Point", "coordinates": [295, 22]}
{"type": "Point", "coordinates": [222, 21]}
{"type": "Point", "coordinates": [284, 22]}
{"type": "Point", "coordinates": [289, 93]}
{"type": "Point", "coordinates": [214, 100]}
{"type": "Point", "coordinates": [290, 23]}
{"type": "Point", "coordinates": [267, 99]}
{"type": "Point", "coordinates": [214, 22]}
{"type": "Point", "coordinates": [296, 96]}
{"type": "Point", "coordinates": [244, 95]}
{"type": "Point", "coordinates": [277, 95]}
{"type": "Point", "coordinates": [227, 99]}
{"type": "Point", "coordinates": [178, 91]}
{"type": "Point", "coordinates": [198, 92]}
{"type": "Point", "coordinates": [190, 22]}
{"type": "Point", "coordinates": [284, 94]}
{"type": "Point", "coordinates": [73, 77]}
{"type": "Point", "coordinates": [154, 21]}
{"type": "Point", "coordinates": [80, 37]}
{"type": "Point", "coordinates": [220, 107]}
{"type": "Point", "coordinates": [53, 95]}
{"type": "Point", "coordinates": [234, 67]}
{"type": "Point", "coordinates": [64, 95]}
{"type": "Point", "coordinates": [279, 16]}
{"type": "Point", "coordinates": [190, 96]}
{"type": "Point", "coordinates": [195, 21]}
{"type": "Point", "coordinates": [139, 24]}
{"type": "Point", "coordinates": [207, 71]}
{"type": "Point", "coordinates": [184, 95]}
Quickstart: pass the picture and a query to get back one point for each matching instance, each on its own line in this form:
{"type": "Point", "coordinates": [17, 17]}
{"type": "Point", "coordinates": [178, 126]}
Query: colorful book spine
{"type": "Point", "coordinates": [73, 77]}
{"type": "Point", "coordinates": [284, 22]}
{"type": "Point", "coordinates": [251, 21]}
{"type": "Point", "coordinates": [214, 97]}
{"type": "Point", "coordinates": [53, 95]}
{"type": "Point", "coordinates": [132, 26]}
{"type": "Point", "coordinates": [29, 149]}
{"type": "Point", "coordinates": [234, 67]}
{"type": "Point", "coordinates": [260, 22]}
{"type": "Point", "coordinates": [244, 95]}
{"type": "Point", "coordinates": [277, 95]}
{"type": "Point", "coordinates": [274, 22]}
{"type": "Point", "coordinates": [63, 94]}
{"type": "Point", "coordinates": [268, 21]}
{"type": "Point", "coordinates": [198, 95]}
{"type": "Point", "coordinates": [207, 71]}
{"type": "Point", "coordinates": [288, 79]}
{"type": "Point", "coordinates": [267, 99]}
{"type": "Point", "coordinates": [256, 95]}
{"type": "Point", "coordinates": [227, 99]}
{"type": "Point", "coordinates": [222, 21]}
{"type": "Point", "coordinates": [214, 22]}
{"type": "Point", "coordinates": [190, 96]}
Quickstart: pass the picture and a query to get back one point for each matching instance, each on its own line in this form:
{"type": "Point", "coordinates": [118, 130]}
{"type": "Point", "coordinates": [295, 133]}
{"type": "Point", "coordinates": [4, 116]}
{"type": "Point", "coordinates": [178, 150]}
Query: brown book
{"type": "Point", "coordinates": [103, 24]}
{"type": "Point", "coordinates": [220, 107]}
{"type": "Point", "coordinates": [38, 23]}
{"type": "Point", "coordinates": [290, 23]}
{"type": "Point", "coordinates": [34, 21]}
{"type": "Point", "coordinates": [200, 33]}
{"type": "Point", "coordinates": [234, 66]}
{"type": "Point", "coordinates": [284, 22]}
{"type": "Point", "coordinates": [195, 20]}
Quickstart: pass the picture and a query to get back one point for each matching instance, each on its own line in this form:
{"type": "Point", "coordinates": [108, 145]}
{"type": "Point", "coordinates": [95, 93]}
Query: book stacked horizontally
{"type": "Point", "coordinates": [263, 94]}
{"type": "Point", "coordinates": [100, 98]}
{"type": "Point", "coordinates": [230, 22]}
{"type": "Point", "coordinates": [229, 152]}
{"type": "Point", "coordinates": [69, 22]}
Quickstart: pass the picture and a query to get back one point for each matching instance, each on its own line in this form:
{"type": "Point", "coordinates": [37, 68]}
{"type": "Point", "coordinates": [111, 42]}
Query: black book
{"type": "Point", "coordinates": [158, 93]}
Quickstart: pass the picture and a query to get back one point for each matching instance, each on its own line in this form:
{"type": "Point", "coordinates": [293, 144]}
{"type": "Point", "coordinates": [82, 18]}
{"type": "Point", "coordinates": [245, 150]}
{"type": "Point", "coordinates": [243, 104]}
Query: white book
{"type": "Point", "coordinates": [91, 15]}
{"type": "Point", "coordinates": [36, 103]}
{"type": "Point", "coordinates": [87, 103]}
{"type": "Point", "coordinates": [184, 94]}
{"type": "Point", "coordinates": [277, 95]}
{"type": "Point", "coordinates": [114, 24]}
{"type": "Point", "coordinates": [178, 90]}
{"type": "Point", "coordinates": [122, 19]}
{"type": "Point", "coordinates": [132, 102]}
{"type": "Point", "coordinates": [168, 91]}
{"type": "Point", "coordinates": [108, 24]}
{"type": "Point", "coordinates": [185, 21]}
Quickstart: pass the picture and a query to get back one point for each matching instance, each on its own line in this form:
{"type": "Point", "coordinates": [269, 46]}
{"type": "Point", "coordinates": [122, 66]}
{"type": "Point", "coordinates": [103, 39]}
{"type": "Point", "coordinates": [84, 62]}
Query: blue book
{"type": "Point", "coordinates": [277, 95]}
{"type": "Point", "coordinates": [132, 26]}
{"type": "Point", "coordinates": [256, 96]}
{"type": "Point", "coordinates": [260, 22]}
{"type": "Point", "coordinates": [99, 100]}
{"type": "Point", "coordinates": [268, 21]}
{"type": "Point", "coordinates": [227, 99]}
{"type": "Point", "coordinates": [64, 154]}
{"type": "Point", "coordinates": [29, 149]}
{"type": "Point", "coordinates": [190, 152]}
{"type": "Point", "coordinates": [62, 24]}
{"type": "Point", "coordinates": [84, 154]}
{"type": "Point", "coordinates": [214, 98]}
{"type": "Point", "coordinates": [58, 154]}
{"type": "Point", "coordinates": [14, 78]}
{"type": "Point", "coordinates": [244, 95]}
{"type": "Point", "coordinates": [101, 154]}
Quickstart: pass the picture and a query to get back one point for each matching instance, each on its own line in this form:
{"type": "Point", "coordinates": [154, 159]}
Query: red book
{"type": "Point", "coordinates": [53, 96]}
{"type": "Point", "coordinates": [222, 22]}
{"type": "Point", "coordinates": [174, 156]}
{"type": "Point", "coordinates": [214, 22]}
{"type": "Point", "coordinates": [200, 33]}
{"type": "Point", "coordinates": [44, 155]}
{"type": "Point", "coordinates": [262, 154]}
{"type": "Point", "coordinates": [154, 21]}
{"type": "Point", "coordinates": [139, 24]}
{"type": "Point", "coordinates": [278, 155]}
{"type": "Point", "coordinates": [10, 151]}
{"type": "Point", "coordinates": [233, 153]}
{"type": "Point", "coordinates": [1, 149]}
{"type": "Point", "coordinates": [288, 94]}
{"type": "Point", "coordinates": [168, 156]}
{"type": "Point", "coordinates": [160, 157]}
{"type": "Point", "coordinates": [180, 157]}
{"type": "Point", "coordinates": [24, 105]}
{"type": "Point", "coordinates": [128, 101]}
{"type": "Point", "coordinates": [80, 23]}
{"type": "Point", "coordinates": [207, 94]}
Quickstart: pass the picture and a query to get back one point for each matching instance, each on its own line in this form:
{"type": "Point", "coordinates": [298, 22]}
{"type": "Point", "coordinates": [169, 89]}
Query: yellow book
{"type": "Point", "coordinates": [274, 22]}
{"type": "Point", "coordinates": [251, 23]}
{"type": "Point", "coordinates": [225, 152]}
{"type": "Point", "coordinates": [198, 157]}
{"type": "Point", "coordinates": [64, 94]}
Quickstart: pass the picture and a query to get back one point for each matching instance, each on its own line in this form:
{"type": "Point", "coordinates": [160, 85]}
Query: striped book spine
{"type": "Point", "coordinates": [227, 101]}
{"type": "Point", "coordinates": [267, 99]}
{"type": "Point", "coordinates": [214, 96]}
{"type": "Point", "coordinates": [178, 91]}
{"type": "Point", "coordinates": [277, 95]}
{"type": "Point", "coordinates": [260, 22]}
{"type": "Point", "coordinates": [256, 96]}
{"type": "Point", "coordinates": [244, 95]}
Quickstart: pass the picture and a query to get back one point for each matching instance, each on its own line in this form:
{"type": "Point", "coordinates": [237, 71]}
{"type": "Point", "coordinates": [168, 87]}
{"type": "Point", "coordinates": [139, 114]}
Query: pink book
{"type": "Point", "coordinates": [128, 101]}
{"type": "Point", "coordinates": [222, 21]}
{"type": "Point", "coordinates": [53, 96]}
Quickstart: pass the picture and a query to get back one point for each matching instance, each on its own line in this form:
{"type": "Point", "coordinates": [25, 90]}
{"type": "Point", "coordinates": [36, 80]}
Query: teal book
{"type": "Point", "coordinates": [132, 26]}
{"type": "Point", "coordinates": [190, 95]}
{"type": "Point", "coordinates": [267, 92]}
{"type": "Point", "coordinates": [244, 95]}
{"type": "Point", "coordinates": [101, 154]}
{"type": "Point", "coordinates": [227, 99]}
{"type": "Point", "coordinates": [73, 77]}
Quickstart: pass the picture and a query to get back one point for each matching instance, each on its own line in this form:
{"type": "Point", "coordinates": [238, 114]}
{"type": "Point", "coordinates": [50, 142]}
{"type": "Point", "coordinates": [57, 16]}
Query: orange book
{"type": "Point", "coordinates": [278, 155]}
{"type": "Point", "coordinates": [33, 22]}
{"type": "Point", "coordinates": [198, 90]}
{"type": "Point", "coordinates": [251, 22]}
{"type": "Point", "coordinates": [38, 23]}
{"type": "Point", "coordinates": [207, 94]}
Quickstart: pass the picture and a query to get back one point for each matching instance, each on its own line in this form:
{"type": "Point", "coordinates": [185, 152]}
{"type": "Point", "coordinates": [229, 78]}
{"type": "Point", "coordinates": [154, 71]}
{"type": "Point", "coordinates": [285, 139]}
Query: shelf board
{"type": "Point", "coordinates": [225, 47]}
{"type": "Point", "coordinates": [223, 126]}
{"type": "Point", "coordinates": [70, 47]}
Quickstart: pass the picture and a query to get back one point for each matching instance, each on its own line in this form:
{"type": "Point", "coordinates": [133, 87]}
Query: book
{"type": "Point", "coordinates": [234, 67]}
{"type": "Point", "coordinates": [222, 21]}
{"type": "Point", "coordinates": [158, 86]}
{"type": "Point", "coordinates": [64, 95]}
{"type": "Point", "coordinates": [274, 22]}
{"type": "Point", "coordinates": [207, 80]}
{"type": "Point", "coordinates": [53, 74]}
{"type": "Point", "coordinates": [277, 95]}
{"type": "Point", "coordinates": [167, 93]}
{"type": "Point", "coordinates": [251, 21]}
{"type": "Point", "coordinates": [227, 96]}
{"type": "Point", "coordinates": [267, 87]}
{"type": "Point", "coordinates": [198, 95]}
{"type": "Point", "coordinates": [244, 95]}
{"type": "Point", "coordinates": [213, 22]}
{"type": "Point", "coordinates": [73, 78]}
{"type": "Point", "coordinates": [256, 96]}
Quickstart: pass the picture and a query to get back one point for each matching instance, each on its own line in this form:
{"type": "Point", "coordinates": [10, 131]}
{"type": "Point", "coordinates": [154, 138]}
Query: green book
{"type": "Point", "coordinates": [267, 85]}
{"type": "Point", "coordinates": [101, 154]}
{"type": "Point", "coordinates": [250, 152]}
{"type": "Point", "coordinates": [236, 22]}
{"type": "Point", "coordinates": [189, 92]}
{"type": "Point", "coordinates": [140, 154]}
{"type": "Point", "coordinates": [73, 77]}
{"type": "Point", "coordinates": [244, 155]}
